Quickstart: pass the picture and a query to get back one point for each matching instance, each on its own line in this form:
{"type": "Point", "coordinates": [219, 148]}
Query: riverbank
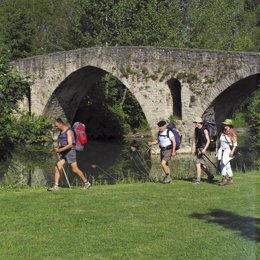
{"type": "Point", "coordinates": [133, 221]}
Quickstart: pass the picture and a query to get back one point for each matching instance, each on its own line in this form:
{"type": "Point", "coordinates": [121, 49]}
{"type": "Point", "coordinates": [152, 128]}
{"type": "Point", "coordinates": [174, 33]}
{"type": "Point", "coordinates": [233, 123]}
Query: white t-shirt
{"type": "Point", "coordinates": [164, 140]}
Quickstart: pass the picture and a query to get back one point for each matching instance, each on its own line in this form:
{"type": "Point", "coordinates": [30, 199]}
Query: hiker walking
{"type": "Point", "coordinates": [167, 142]}
{"type": "Point", "coordinates": [227, 147]}
{"type": "Point", "coordinates": [68, 154]}
{"type": "Point", "coordinates": [200, 144]}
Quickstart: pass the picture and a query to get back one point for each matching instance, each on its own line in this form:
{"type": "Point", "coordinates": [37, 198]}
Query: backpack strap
{"type": "Point", "coordinates": [168, 133]}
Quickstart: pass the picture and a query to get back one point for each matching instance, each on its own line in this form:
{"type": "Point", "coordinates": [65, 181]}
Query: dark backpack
{"type": "Point", "coordinates": [178, 137]}
{"type": "Point", "coordinates": [213, 134]}
{"type": "Point", "coordinates": [80, 135]}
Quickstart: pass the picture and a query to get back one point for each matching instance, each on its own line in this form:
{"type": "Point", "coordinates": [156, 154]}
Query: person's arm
{"type": "Point", "coordinates": [206, 133]}
{"type": "Point", "coordinates": [173, 146]}
{"type": "Point", "coordinates": [153, 142]}
{"type": "Point", "coordinates": [193, 146]}
{"type": "Point", "coordinates": [234, 146]}
{"type": "Point", "coordinates": [68, 146]}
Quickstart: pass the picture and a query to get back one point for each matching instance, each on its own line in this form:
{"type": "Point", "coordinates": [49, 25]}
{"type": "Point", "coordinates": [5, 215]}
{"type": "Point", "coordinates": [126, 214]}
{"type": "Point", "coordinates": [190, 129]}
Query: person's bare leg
{"type": "Point", "coordinates": [165, 167]}
{"type": "Point", "coordinates": [198, 170]}
{"type": "Point", "coordinates": [57, 169]}
{"type": "Point", "coordinates": [76, 169]}
{"type": "Point", "coordinates": [166, 170]}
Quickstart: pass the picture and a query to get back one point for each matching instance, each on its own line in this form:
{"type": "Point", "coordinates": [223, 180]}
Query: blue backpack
{"type": "Point", "coordinates": [178, 137]}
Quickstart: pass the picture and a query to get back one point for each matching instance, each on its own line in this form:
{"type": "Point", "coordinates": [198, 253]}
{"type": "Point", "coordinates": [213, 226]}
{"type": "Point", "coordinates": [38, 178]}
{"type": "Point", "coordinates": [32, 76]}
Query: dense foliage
{"type": "Point", "coordinates": [16, 127]}
{"type": "Point", "coordinates": [31, 27]}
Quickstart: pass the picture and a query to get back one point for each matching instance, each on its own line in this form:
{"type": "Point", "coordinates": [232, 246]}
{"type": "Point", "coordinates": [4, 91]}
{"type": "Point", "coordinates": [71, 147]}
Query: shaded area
{"type": "Point", "coordinates": [68, 95]}
{"type": "Point", "coordinates": [100, 101]}
{"type": "Point", "coordinates": [245, 226]}
{"type": "Point", "coordinates": [230, 99]}
{"type": "Point", "coordinates": [175, 88]}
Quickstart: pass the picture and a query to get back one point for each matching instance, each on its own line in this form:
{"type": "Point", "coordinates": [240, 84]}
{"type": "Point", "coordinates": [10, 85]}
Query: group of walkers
{"type": "Point", "coordinates": [227, 143]}
{"type": "Point", "coordinates": [225, 150]}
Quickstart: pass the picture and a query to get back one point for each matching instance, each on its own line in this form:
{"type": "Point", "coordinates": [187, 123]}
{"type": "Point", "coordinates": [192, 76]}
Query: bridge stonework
{"type": "Point", "coordinates": [165, 81]}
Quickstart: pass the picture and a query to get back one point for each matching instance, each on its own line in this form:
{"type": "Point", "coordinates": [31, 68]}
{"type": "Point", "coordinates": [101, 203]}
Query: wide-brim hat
{"type": "Point", "coordinates": [228, 122]}
{"type": "Point", "coordinates": [198, 120]}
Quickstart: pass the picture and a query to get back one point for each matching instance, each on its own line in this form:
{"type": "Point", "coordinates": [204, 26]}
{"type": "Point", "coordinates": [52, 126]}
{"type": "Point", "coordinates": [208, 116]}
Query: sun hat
{"type": "Point", "coordinates": [228, 122]}
{"type": "Point", "coordinates": [161, 123]}
{"type": "Point", "coordinates": [198, 120]}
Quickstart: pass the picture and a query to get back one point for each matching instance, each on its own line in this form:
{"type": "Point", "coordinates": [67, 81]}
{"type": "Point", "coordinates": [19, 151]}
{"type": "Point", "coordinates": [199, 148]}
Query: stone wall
{"type": "Point", "coordinates": [208, 80]}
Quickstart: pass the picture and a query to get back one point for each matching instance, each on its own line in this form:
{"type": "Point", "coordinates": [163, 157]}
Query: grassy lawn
{"type": "Point", "coordinates": [133, 221]}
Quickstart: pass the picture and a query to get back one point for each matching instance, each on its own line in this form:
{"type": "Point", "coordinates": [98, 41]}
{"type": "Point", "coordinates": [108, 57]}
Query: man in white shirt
{"type": "Point", "coordinates": [167, 143]}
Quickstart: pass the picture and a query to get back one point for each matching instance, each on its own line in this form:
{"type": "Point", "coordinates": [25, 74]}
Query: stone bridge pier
{"type": "Point", "coordinates": [184, 83]}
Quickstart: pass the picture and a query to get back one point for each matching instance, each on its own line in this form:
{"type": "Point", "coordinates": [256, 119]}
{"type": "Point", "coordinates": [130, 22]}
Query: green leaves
{"type": "Point", "coordinates": [17, 127]}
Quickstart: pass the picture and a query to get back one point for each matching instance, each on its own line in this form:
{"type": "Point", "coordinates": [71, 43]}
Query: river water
{"type": "Point", "coordinates": [110, 163]}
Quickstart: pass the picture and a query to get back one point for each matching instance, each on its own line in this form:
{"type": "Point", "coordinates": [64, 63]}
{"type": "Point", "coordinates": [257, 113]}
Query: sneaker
{"type": "Point", "coordinates": [54, 188]}
{"type": "Point", "coordinates": [196, 182]}
{"type": "Point", "coordinates": [167, 179]}
{"type": "Point", "coordinates": [86, 185]}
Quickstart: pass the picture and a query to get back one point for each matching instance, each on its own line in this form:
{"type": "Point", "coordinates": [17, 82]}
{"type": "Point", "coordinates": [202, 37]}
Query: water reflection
{"type": "Point", "coordinates": [108, 163]}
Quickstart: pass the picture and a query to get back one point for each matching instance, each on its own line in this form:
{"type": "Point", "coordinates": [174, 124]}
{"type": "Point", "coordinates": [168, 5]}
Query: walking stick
{"type": "Point", "coordinates": [66, 177]}
{"type": "Point", "coordinates": [209, 159]}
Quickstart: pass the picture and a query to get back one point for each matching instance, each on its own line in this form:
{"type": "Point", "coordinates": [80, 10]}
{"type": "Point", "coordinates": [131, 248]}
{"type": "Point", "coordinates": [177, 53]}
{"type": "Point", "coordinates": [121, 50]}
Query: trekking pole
{"type": "Point", "coordinates": [210, 161]}
{"type": "Point", "coordinates": [64, 172]}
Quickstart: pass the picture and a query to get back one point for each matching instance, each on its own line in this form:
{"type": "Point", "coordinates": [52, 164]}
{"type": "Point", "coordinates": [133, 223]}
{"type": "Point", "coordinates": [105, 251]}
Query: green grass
{"type": "Point", "coordinates": [133, 221]}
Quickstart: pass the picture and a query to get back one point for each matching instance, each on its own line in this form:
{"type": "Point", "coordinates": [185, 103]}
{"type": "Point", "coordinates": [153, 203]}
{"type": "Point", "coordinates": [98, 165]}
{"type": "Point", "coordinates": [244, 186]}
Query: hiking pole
{"type": "Point", "coordinates": [64, 172]}
{"type": "Point", "coordinates": [210, 161]}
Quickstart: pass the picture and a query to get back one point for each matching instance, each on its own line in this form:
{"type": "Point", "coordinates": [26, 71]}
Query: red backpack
{"type": "Point", "coordinates": [80, 135]}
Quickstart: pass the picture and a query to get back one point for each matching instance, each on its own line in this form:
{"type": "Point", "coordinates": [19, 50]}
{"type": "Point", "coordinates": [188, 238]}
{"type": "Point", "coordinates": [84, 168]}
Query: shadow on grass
{"type": "Point", "coordinates": [216, 182]}
{"type": "Point", "coordinates": [246, 226]}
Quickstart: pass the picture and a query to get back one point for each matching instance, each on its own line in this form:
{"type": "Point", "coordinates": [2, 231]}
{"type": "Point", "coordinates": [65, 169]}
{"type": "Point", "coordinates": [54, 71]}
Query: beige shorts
{"type": "Point", "coordinates": [166, 155]}
{"type": "Point", "coordinates": [200, 158]}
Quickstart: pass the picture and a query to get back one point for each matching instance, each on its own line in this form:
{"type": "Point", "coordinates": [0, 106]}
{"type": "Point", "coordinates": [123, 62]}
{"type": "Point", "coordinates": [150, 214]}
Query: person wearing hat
{"type": "Point", "coordinates": [200, 145]}
{"type": "Point", "coordinates": [167, 144]}
{"type": "Point", "coordinates": [227, 147]}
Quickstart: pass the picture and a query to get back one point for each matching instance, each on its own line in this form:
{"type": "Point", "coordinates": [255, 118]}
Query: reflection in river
{"type": "Point", "coordinates": [109, 163]}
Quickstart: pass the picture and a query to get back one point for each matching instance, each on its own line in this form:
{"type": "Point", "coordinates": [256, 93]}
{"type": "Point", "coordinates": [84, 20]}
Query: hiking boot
{"type": "Point", "coordinates": [54, 188]}
{"type": "Point", "coordinates": [86, 185]}
{"type": "Point", "coordinates": [223, 182]}
{"type": "Point", "coordinates": [211, 179]}
{"type": "Point", "coordinates": [229, 181]}
{"type": "Point", "coordinates": [167, 179]}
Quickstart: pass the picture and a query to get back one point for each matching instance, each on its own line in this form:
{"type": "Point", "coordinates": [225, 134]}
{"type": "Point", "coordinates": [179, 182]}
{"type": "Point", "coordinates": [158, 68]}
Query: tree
{"type": "Point", "coordinates": [31, 27]}
{"type": "Point", "coordinates": [13, 88]}
{"type": "Point", "coordinates": [16, 127]}
{"type": "Point", "coordinates": [220, 24]}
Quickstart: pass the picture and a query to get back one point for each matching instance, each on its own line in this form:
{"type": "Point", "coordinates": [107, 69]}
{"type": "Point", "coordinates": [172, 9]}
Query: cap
{"type": "Point", "coordinates": [198, 120]}
{"type": "Point", "coordinates": [161, 123]}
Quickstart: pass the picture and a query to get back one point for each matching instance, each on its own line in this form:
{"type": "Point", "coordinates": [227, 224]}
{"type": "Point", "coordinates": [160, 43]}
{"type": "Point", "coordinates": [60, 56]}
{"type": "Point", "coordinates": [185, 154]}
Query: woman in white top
{"type": "Point", "coordinates": [227, 147]}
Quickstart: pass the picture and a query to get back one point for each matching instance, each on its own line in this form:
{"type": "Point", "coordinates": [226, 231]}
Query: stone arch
{"type": "Point", "coordinates": [69, 93]}
{"type": "Point", "coordinates": [175, 89]}
{"type": "Point", "coordinates": [230, 99]}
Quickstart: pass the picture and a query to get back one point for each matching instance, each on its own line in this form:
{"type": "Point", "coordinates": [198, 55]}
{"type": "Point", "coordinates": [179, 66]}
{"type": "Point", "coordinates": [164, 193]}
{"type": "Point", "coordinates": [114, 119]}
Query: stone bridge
{"type": "Point", "coordinates": [165, 81]}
